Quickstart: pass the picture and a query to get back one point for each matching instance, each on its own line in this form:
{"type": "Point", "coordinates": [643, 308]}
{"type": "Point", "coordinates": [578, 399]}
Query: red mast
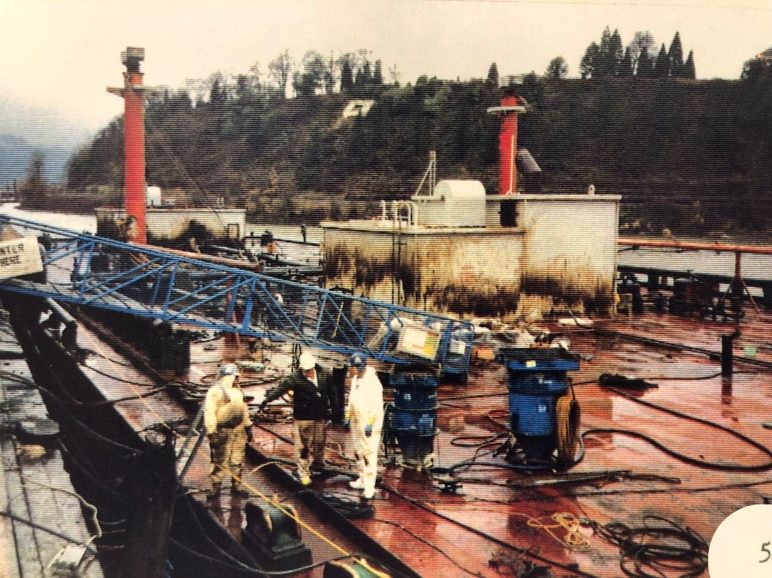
{"type": "Point", "coordinates": [134, 139]}
{"type": "Point", "coordinates": [508, 110]}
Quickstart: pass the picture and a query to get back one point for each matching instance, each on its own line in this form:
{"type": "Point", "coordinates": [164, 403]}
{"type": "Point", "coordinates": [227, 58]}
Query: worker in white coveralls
{"type": "Point", "coordinates": [228, 428]}
{"type": "Point", "coordinates": [364, 413]}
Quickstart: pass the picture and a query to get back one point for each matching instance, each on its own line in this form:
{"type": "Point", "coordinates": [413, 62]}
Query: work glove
{"type": "Point", "coordinates": [368, 430]}
{"type": "Point", "coordinates": [250, 436]}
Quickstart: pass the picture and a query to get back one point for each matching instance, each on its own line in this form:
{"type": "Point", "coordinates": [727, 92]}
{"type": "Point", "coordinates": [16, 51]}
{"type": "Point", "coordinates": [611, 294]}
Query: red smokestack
{"type": "Point", "coordinates": [508, 148]}
{"type": "Point", "coordinates": [509, 109]}
{"type": "Point", "coordinates": [134, 139]}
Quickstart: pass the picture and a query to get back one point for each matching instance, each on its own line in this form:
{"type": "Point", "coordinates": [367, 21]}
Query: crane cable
{"type": "Point", "coordinates": [185, 173]}
{"type": "Point", "coordinates": [138, 394]}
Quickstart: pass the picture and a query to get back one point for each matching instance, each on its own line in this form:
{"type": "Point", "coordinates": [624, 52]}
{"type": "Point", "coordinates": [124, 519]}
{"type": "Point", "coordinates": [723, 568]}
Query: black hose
{"type": "Point", "coordinates": [84, 427]}
{"type": "Point", "coordinates": [48, 530]}
{"type": "Point", "coordinates": [660, 548]}
{"type": "Point", "coordinates": [427, 542]}
{"type": "Point", "coordinates": [724, 467]}
{"type": "Point", "coordinates": [116, 378]}
{"type": "Point", "coordinates": [524, 551]}
{"type": "Point", "coordinates": [456, 441]}
{"type": "Point", "coordinates": [348, 507]}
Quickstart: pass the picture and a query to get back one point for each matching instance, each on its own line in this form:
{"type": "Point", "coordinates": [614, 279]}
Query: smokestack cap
{"type": "Point", "coordinates": [132, 56]}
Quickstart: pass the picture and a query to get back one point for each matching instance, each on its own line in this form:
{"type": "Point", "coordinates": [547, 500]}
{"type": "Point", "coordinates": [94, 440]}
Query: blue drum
{"type": "Point", "coordinates": [413, 418]}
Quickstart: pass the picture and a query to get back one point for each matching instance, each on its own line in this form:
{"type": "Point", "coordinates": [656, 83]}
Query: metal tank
{"type": "Point", "coordinates": [454, 203]}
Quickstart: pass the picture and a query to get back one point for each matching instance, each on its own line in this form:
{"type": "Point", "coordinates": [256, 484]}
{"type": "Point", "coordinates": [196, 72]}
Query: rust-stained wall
{"type": "Point", "coordinates": [561, 251]}
{"type": "Point", "coordinates": [173, 224]}
{"type": "Point", "coordinates": [570, 247]}
{"type": "Point", "coordinates": [450, 270]}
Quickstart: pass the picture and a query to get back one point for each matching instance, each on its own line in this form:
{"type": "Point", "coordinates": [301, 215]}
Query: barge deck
{"type": "Point", "coordinates": [675, 458]}
{"type": "Point", "coordinates": [684, 454]}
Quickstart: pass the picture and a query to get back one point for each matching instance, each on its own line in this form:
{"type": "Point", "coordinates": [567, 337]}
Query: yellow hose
{"type": "Point", "coordinates": [567, 416]}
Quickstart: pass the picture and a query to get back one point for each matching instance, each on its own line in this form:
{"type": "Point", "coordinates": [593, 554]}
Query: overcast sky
{"type": "Point", "coordinates": [61, 54]}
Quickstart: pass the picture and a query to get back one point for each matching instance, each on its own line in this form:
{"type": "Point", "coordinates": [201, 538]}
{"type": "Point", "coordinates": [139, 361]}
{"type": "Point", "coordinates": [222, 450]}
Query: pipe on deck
{"type": "Point", "coordinates": [695, 246]}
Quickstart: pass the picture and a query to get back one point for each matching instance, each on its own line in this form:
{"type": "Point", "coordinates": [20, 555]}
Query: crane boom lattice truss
{"type": "Point", "coordinates": [87, 270]}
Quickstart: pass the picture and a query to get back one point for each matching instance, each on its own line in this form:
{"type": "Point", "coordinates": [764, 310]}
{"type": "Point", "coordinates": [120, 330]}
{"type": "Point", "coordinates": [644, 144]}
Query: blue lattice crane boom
{"type": "Point", "coordinates": [87, 270]}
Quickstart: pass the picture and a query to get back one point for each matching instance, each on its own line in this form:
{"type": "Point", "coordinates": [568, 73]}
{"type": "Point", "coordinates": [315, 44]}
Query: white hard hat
{"type": "Point", "coordinates": [229, 369]}
{"type": "Point", "coordinates": [307, 361]}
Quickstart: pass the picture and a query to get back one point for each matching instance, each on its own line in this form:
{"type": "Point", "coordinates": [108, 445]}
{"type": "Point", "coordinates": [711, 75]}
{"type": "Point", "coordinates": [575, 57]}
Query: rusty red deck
{"type": "Point", "coordinates": [499, 514]}
{"type": "Point", "coordinates": [501, 522]}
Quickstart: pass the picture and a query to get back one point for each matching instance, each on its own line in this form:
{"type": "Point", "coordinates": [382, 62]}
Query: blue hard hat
{"type": "Point", "coordinates": [356, 360]}
{"type": "Point", "coordinates": [229, 369]}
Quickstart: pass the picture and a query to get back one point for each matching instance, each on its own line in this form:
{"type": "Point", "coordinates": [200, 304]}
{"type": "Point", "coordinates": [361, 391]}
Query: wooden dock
{"type": "Point", "coordinates": [43, 531]}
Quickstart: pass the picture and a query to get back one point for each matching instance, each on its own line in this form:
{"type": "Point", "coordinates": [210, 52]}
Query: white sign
{"type": "Point", "coordinates": [20, 257]}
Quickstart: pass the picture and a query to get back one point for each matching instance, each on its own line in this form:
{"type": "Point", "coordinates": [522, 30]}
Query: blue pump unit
{"type": "Point", "coordinates": [543, 416]}
{"type": "Point", "coordinates": [412, 420]}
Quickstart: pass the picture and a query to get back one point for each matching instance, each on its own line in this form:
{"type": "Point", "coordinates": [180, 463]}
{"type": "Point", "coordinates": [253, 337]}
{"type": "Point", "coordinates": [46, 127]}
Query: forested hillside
{"type": "Point", "coordinates": [691, 156]}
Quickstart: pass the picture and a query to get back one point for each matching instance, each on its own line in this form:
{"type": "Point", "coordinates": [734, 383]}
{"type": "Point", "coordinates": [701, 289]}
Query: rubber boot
{"type": "Point", "coordinates": [214, 491]}
{"type": "Point", "coordinates": [238, 490]}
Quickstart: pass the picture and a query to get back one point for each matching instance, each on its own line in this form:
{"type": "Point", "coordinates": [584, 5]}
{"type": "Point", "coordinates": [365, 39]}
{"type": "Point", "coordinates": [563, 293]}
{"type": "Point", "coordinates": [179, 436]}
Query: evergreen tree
{"type": "Point", "coordinates": [662, 66]}
{"type": "Point", "coordinates": [676, 56]}
{"type": "Point", "coordinates": [625, 69]}
{"type": "Point", "coordinates": [688, 70]}
{"type": "Point", "coordinates": [242, 86]}
{"type": "Point", "coordinates": [645, 67]}
{"type": "Point", "coordinates": [218, 94]}
{"type": "Point", "coordinates": [557, 68]}
{"type": "Point", "coordinates": [604, 64]}
{"type": "Point", "coordinates": [367, 75]}
{"type": "Point", "coordinates": [346, 77]}
{"type": "Point", "coordinates": [641, 40]}
{"type": "Point", "coordinates": [616, 53]}
{"type": "Point", "coordinates": [493, 74]}
{"type": "Point", "coordinates": [330, 76]}
{"type": "Point", "coordinates": [589, 61]}
{"type": "Point", "coordinates": [752, 69]}
{"type": "Point", "coordinates": [378, 74]}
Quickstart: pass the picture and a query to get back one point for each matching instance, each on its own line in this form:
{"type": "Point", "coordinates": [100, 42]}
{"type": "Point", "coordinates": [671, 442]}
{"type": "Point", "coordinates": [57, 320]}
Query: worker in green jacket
{"type": "Point", "coordinates": [313, 396]}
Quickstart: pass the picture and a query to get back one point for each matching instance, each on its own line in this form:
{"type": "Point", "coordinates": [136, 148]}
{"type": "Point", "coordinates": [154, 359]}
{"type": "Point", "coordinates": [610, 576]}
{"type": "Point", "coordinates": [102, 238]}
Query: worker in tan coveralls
{"type": "Point", "coordinates": [228, 428]}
